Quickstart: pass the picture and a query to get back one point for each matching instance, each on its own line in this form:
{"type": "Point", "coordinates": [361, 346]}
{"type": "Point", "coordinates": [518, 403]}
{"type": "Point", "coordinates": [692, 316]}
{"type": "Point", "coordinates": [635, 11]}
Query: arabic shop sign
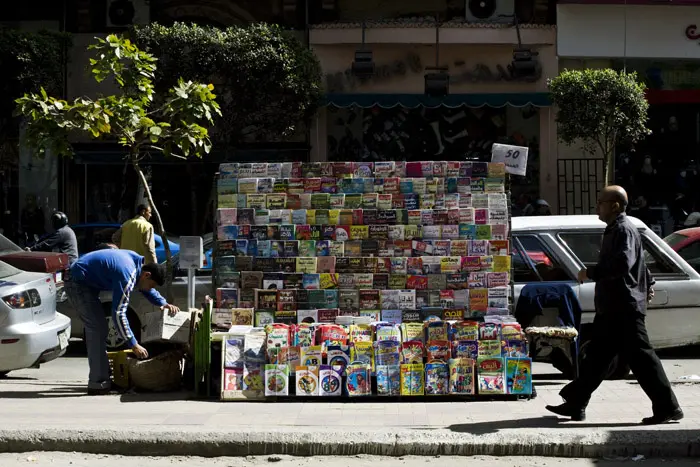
{"type": "Point", "coordinates": [460, 72]}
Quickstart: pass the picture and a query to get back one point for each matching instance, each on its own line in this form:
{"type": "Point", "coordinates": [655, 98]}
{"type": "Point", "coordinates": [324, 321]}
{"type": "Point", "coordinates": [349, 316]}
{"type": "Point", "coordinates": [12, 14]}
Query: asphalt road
{"type": "Point", "coordinates": [46, 459]}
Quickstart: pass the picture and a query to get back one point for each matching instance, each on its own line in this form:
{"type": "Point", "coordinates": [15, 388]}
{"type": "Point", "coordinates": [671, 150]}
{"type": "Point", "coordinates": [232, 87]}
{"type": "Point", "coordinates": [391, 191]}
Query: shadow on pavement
{"type": "Point", "coordinates": [76, 349]}
{"type": "Point", "coordinates": [157, 396]}
{"type": "Point", "coordinates": [54, 393]}
{"type": "Point", "coordinates": [16, 378]}
{"type": "Point", "coordinates": [482, 428]}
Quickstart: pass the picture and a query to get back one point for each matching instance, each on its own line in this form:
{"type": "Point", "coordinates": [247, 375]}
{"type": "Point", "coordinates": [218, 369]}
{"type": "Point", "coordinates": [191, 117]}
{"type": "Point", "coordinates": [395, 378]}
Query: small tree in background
{"type": "Point", "coordinates": [175, 126]}
{"type": "Point", "coordinates": [601, 108]}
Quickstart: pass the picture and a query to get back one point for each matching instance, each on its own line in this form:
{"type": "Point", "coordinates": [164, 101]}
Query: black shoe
{"type": "Point", "coordinates": [567, 410]}
{"type": "Point", "coordinates": [658, 419]}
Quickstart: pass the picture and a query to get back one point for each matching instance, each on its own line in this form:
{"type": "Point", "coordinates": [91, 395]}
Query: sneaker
{"type": "Point", "coordinates": [657, 419]}
{"type": "Point", "coordinates": [566, 410]}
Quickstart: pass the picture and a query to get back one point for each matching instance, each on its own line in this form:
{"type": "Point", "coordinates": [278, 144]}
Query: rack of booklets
{"type": "Point", "coordinates": [366, 279]}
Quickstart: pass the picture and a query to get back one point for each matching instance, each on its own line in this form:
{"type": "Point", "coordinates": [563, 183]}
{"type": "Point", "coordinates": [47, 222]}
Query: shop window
{"type": "Point", "coordinates": [532, 262]}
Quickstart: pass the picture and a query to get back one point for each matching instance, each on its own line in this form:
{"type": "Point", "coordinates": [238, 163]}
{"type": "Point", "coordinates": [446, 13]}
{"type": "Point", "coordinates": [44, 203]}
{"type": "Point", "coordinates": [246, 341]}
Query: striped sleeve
{"type": "Point", "coordinates": [120, 304]}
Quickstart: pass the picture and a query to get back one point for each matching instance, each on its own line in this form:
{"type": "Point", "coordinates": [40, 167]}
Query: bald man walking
{"type": "Point", "coordinates": [622, 290]}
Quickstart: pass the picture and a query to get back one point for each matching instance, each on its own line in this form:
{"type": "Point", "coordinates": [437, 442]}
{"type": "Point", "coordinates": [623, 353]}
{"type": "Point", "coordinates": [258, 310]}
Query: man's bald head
{"type": "Point", "coordinates": [611, 203]}
{"type": "Point", "coordinates": [615, 194]}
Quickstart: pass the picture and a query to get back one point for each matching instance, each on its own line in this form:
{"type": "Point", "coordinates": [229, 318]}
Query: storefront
{"type": "Point", "coordinates": [389, 117]}
{"type": "Point", "coordinates": [662, 44]}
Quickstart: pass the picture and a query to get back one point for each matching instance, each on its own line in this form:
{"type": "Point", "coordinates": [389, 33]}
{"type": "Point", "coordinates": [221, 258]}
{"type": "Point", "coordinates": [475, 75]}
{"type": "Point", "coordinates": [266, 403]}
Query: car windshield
{"type": "Point", "coordinates": [674, 239]}
{"type": "Point", "coordinates": [7, 247]}
{"type": "Point", "coordinates": [6, 270]}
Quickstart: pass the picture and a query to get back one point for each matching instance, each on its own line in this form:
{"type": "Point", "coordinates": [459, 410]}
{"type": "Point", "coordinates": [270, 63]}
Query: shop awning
{"type": "Point", "coordinates": [411, 101]}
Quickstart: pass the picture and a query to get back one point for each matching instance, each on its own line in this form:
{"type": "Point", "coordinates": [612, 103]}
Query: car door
{"type": "Point", "coordinates": [672, 313]}
{"type": "Point", "coordinates": [584, 247]}
{"type": "Point", "coordinates": [673, 317]}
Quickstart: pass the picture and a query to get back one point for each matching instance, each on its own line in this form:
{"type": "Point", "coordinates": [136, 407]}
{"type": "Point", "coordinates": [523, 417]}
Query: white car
{"type": "Point", "coordinates": [555, 248]}
{"type": "Point", "coordinates": [31, 331]}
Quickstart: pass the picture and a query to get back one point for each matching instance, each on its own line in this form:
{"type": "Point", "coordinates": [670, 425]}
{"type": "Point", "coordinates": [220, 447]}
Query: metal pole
{"type": "Point", "coordinates": [190, 288]}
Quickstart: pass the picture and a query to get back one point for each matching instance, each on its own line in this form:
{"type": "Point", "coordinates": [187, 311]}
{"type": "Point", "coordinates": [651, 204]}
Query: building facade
{"type": "Point", "coordinates": [662, 44]}
{"type": "Point", "coordinates": [389, 116]}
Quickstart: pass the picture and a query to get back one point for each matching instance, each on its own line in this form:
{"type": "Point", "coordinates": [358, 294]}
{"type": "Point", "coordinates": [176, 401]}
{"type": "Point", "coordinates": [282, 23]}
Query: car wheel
{"type": "Point", "coordinates": [114, 340]}
{"type": "Point", "coordinates": [618, 369]}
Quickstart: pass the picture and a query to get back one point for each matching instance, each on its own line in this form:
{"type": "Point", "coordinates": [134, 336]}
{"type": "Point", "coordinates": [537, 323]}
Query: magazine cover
{"type": "Point", "coordinates": [388, 380]}
{"type": "Point", "coordinates": [358, 382]}
{"type": "Point", "coordinates": [412, 379]}
{"type": "Point", "coordinates": [461, 376]}
{"type": "Point", "coordinates": [437, 378]}
{"type": "Point", "coordinates": [518, 376]}
{"type": "Point", "coordinates": [276, 380]}
{"type": "Point", "coordinates": [307, 381]}
{"type": "Point", "coordinates": [490, 375]}
{"type": "Point", "coordinates": [330, 380]}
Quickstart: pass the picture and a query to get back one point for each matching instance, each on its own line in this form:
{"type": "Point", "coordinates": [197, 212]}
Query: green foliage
{"type": "Point", "coordinates": [28, 60]}
{"type": "Point", "coordinates": [268, 80]}
{"type": "Point", "coordinates": [600, 107]}
{"type": "Point", "coordinates": [175, 125]}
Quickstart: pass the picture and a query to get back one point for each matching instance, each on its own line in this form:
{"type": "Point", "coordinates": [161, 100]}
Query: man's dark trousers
{"type": "Point", "coordinates": [621, 332]}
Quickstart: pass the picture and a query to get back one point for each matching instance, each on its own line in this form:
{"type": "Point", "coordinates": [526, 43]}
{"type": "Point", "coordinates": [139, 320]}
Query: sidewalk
{"type": "Point", "coordinates": [49, 412]}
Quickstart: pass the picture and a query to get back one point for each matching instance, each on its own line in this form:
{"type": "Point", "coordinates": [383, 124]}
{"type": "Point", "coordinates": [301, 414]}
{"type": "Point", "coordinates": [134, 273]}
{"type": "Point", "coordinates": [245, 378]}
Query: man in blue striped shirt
{"type": "Point", "coordinates": [118, 271]}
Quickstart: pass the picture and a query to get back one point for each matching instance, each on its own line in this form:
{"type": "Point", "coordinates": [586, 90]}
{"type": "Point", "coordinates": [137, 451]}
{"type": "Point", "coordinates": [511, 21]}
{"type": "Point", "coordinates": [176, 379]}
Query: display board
{"type": "Point", "coordinates": [359, 279]}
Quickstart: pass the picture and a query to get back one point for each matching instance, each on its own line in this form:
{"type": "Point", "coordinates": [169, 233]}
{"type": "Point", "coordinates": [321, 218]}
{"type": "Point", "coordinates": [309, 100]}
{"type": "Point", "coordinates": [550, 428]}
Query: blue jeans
{"type": "Point", "coordinates": [86, 301]}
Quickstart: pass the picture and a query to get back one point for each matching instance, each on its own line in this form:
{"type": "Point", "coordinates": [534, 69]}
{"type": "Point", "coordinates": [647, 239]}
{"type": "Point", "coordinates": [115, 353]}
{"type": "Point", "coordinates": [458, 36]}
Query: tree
{"type": "Point", "coordinates": [174, 127]}
{"type": "Point", "coordinates": [601, 108]}
{"type": "Point", "coordinates": [269, 82]}
{"type": "Point", "coordinates": [28, 60]}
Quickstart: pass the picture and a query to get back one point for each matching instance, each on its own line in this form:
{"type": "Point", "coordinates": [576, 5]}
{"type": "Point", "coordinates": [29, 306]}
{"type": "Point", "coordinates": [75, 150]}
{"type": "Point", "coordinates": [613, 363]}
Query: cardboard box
{"type": "Point", "coordinates": [159, 326]}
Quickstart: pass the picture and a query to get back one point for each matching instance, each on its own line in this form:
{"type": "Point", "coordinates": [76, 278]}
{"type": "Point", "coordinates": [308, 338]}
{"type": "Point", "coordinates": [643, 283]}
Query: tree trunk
{"type": "Point", "coordinates": [159, 223]}
{"type": "Point", "coordinates": [609, 162]}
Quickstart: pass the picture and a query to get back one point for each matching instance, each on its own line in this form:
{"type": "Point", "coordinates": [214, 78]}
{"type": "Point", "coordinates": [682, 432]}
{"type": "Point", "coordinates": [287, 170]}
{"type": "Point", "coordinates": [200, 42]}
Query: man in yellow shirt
{"type": "Point", "coordinates": [137, 235]}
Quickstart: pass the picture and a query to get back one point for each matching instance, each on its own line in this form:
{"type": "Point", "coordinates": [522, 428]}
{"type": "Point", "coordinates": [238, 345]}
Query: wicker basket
{"type": "Point", "coordinates": [158, 374]}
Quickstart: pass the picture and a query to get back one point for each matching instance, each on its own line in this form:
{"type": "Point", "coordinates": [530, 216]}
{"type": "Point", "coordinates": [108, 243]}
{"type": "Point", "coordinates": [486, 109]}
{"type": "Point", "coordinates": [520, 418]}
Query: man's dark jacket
{"type": "Point", "coordinates": [62, 240]}
{"type": "Point", "coordinates": [621, 275]}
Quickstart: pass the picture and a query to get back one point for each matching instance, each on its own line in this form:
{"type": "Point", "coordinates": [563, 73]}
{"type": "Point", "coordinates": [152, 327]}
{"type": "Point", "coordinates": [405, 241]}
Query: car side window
{"type": "Point", "coordinates": [690, 252]}
{"type": "Point", "coordinates": [656, 261]}
{"type": "Point", "coordinates": [585, 245]}
{"type": "Point", "coordinates": [529, 252]}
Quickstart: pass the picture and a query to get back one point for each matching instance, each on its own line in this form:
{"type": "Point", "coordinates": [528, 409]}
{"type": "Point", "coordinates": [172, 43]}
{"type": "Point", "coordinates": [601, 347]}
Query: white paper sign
{"type": "Point", "coordinates": [514, 157]}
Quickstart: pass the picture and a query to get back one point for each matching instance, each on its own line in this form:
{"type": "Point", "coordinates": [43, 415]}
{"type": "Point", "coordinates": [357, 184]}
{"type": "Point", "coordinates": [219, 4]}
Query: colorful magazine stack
{"type": "Point", "coordinates": [314, 246]}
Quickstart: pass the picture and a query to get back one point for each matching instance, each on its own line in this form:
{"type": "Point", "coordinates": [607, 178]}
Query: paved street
{"type": "Point", "coordinates": [29, 398]}
{"type": "Point", "coordinates": [52, 459]}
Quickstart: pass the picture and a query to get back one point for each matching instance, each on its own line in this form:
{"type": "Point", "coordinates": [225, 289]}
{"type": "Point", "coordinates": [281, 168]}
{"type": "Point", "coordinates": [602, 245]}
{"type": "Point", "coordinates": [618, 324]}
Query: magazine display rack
{"type": "Point", "coordinates": [366, 279]}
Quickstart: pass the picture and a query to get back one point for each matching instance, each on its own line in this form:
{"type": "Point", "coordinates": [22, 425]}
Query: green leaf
{"type": "Point", "coordinates": [156, 130]}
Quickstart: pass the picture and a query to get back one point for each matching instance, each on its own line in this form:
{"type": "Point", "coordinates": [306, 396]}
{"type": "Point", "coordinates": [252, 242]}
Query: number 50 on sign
{"type": "Point", "coordinates": [514, 157]}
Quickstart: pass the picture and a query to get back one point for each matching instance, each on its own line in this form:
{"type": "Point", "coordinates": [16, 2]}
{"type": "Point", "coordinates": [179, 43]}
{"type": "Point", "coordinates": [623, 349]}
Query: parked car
{"type": "Point", "coordinates": [31, 331]}
{"type": "Point", "coordinates": [573, 242]}
{"type": "Point", "coordinates": [686, 243]}
{"type": "Point", "coordinates": [91, 235]}
{"type": "Point", "coordinates": [34, 261]}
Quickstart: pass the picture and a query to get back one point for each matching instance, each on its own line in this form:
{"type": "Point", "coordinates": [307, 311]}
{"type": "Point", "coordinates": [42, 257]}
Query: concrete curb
{"type": "Point", "coordinates": [191, 442]}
